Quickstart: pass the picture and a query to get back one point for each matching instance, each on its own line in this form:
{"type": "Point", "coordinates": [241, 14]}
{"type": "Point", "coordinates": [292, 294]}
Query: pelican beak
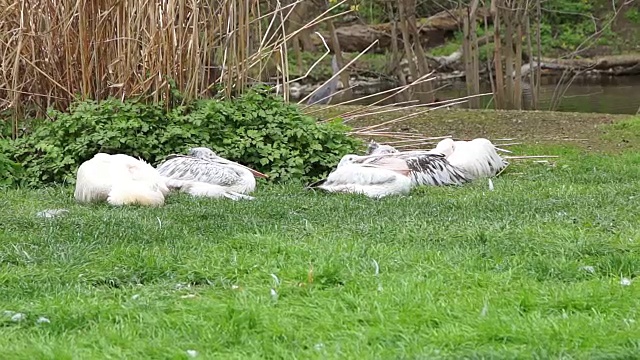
{"type": "Point", "coordinates": [255, 173]}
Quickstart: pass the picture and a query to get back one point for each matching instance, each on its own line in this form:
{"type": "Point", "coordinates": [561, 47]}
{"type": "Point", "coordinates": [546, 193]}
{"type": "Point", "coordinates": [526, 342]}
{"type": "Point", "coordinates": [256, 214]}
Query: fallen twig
{"type": "Point", "coordinates": [530, 157]}
{"type": "Point", "coordinates": [509, 144]}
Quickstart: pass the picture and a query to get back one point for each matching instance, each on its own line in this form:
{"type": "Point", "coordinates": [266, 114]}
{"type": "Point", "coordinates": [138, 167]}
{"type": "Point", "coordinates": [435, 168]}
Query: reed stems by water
{"type": "Point", "coordinates": [54, 51]}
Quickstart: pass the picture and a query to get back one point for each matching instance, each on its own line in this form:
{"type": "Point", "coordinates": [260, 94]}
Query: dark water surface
{"type": "Point", "coordinates": [614, 95]}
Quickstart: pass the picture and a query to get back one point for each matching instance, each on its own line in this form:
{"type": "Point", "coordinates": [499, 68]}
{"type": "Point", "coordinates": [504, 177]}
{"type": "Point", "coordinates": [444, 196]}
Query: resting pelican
{"type": "Point", "coordinates": [426, 168]}
{"type": "Point", "coordinates": [372, 180]}
{"type": "Point", "coordinates": [120, 180]}
{"type": "Point", "coordinates": [377, 149]}
{"type": "Point", "coordinates": [477, 158]}
{"type": "Point", "coordinates": [203, 173]}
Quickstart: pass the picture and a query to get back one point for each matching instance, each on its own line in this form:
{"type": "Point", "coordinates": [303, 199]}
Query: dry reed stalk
{"type": "Point", "coordinates": [398, 90]}
{"type": "Point", "coordinates": [394, 108]}
{"type": "Point", "coordinates": [399, 135]}
{"type": "Point", "coordinates": [408, 116]}
{"type": "Point", "coordinates": [380, 107]}
{"type": "Point", "coordinates": [327, 52]}
{"type": "Point", "coordinates": [530, 157]}
{"type": "Point", "coordinates": [387, 135]}
{"type": "Point", "coordinates": [340, 71]}
{"type": "Point", "coordinates": [509, 144]}
{"type": "Point", "coordinates": [54, 51]}
{"type": "Point", "coordinates": [349, 114]}
{"type": "Point", "coordinates": [420, 139]}
{"type": "Point", "coordinates": [266, 50]}
{"type": "Point", "coordinates": [417, 144]}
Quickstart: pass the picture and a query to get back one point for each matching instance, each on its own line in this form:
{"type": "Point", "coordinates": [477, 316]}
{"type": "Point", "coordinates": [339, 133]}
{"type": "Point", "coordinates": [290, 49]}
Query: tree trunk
{"type": "Point", "coordinates": [489, 59]}
{"type": "Point", "coordinates": [335, 43]}
{"type": "Point", "coordinates": [404, 28]}
{"type": "Point", "coordinates": [499, 94]}
{"type": "Point", "coordinates": [425, 88]}
{"type": "Point", "coordinates": [532, 77]}
{"type": "Point", "coordinates": [518, 65]}
{"type": "Point", "coordinates": [539, 48]}
{"type": "Point", "coordinates": [472, 69]}
{"type": "Point", "coordinates": [508, 56]}
{"type": "Point", "coordinates": [432, 31]}
{"type": "Point", "coordinates": [396, 56]}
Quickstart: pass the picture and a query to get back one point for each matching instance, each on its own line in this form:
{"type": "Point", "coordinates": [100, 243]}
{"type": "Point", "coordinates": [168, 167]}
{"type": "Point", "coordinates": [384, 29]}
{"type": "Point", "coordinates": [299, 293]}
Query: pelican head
{"type": "Point", "coordinates": [208, 154]}
{"type": "Point", "coordinates": [372, 147]}
{"type": "Point", "coordinates": [445, 147]}
{"type": "Point", "coordinates": [377, 149]}
{"type": "Point", "coordinates": [348, 159]}
{"type": "Point", "coordinates": [202, 153]}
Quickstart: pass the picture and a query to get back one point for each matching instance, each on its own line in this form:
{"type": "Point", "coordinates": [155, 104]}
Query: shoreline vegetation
{"type": "Point", "coordinates": [610, 50]}
{"type": "Point", "coordinates": [52, 62]}
{"type": "Point", "coordinates": [446, 59]}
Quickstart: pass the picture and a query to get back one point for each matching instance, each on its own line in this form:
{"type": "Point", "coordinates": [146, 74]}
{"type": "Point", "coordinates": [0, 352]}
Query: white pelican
{"type": "Point", "coordinates": [120, 180]}
{"type": "Point", "coordinates": [426, 168]}
{"type": "Point", "coordinates": [477, 158]}
{"type": "Point", "coordinates": [377, 149]}
{"type": "Point", "coordinates": [203, 173]}
{"type": "Point", "coordinates": [372, 180]}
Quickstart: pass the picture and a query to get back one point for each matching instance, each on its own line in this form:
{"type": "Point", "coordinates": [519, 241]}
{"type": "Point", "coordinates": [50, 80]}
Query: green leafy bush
{"type": "Point", "coordinates": [54, 149]}
{"type": "Point", "coordinates": [256, 129]}
{"type": "Point", "coordinates": [10, 171]}
{"type": "Point", "coordinates": [633, 15]}
{"type": "Point", "coordinates": [261, 130]}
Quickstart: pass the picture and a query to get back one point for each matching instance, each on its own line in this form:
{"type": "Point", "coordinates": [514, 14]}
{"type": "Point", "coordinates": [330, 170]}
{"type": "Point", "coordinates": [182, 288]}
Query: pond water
{"type": "Point", "coordinates": [602, 94]}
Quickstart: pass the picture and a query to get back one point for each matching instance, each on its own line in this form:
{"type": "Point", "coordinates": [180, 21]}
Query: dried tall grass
{"type": "Point", "coordinates": [55, 51]}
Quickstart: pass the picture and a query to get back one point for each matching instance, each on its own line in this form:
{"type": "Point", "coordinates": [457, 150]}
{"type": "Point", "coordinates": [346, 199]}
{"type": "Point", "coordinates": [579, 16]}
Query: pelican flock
{"type": "Point", "coordinates": [382, 171]}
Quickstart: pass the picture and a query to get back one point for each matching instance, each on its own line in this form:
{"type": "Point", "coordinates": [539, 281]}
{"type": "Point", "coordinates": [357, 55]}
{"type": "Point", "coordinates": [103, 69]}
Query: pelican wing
{"type": "Point", "coordinates": [477, 158]}
{"type": "Point", "coordinates": [362, 175]}
{"type": "Point", "coordinates": [434, 169]}
{"type": "Point", "coordinates": [426, 168]}
{"type": "Point", "coordinates": [173, 156]}
{"type": "Point", "coordinates": [356, 174]}
{"type": "Point", "coordinates": [196, 169]}
{"type": "Point", "coordinates": [370, 180]}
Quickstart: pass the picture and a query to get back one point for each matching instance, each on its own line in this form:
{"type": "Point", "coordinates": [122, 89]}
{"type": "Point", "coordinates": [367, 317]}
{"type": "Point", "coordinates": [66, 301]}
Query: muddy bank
{"type": "Point", "coordinates": [585, 130]}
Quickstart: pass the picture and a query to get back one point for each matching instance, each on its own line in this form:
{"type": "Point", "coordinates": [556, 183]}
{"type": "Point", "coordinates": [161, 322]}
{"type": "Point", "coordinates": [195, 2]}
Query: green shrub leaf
{"type": "Point", "coordinates": [256, 129]}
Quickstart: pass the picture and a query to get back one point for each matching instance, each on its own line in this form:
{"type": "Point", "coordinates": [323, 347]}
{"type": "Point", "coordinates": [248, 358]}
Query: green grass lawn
{"type": "Point", "coordinates": [532, 269]}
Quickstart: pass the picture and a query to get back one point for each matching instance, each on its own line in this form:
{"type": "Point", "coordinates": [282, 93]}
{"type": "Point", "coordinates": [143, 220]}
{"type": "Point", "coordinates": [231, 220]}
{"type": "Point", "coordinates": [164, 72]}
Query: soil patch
{"type": "Point", "coordinates": [531, 127]}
